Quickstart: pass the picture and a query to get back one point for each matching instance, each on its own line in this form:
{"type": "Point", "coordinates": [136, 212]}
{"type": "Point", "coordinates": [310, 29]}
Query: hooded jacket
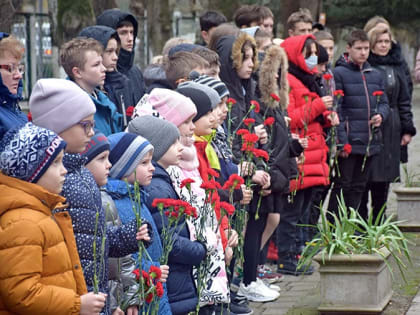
{"type": "Point", "coordinates": [305, 108]}
{"type": "Point", "coordinates": [185, 253]}
{"type": "Point", "coordinates": [10, 112]}
{"type": "Point", "coordinates": [41, 271]}
{"type": "Point", "coordinates": [125, 65]}
{"type": "Point", "coordinates": [155, 77]}
{"type": "Point", "coordinates": [107, 119]}
{"type": "Point", "coordinates": [116, 84]}
{"type": "Point", "coordinates": [84, 202]}
{"type": "Point", "coordinates": [385, 166]}
{"type": "Point", "coordinates": [358, 105]}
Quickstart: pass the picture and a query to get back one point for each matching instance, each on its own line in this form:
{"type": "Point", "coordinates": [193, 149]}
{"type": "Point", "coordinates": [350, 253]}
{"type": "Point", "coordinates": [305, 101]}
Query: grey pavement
{"type": "Point", "coordinates": [300, 295]}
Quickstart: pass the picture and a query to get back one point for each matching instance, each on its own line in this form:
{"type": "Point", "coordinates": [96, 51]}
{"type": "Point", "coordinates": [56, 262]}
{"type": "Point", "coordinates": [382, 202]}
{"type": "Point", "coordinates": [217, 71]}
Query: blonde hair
{"type": "Point", "coordinates": [373, 21]}
{"type": "Point", "coordinates": [377, 31]}
{"type": "Point", "coordinates": [303, 15]}
{"type": "Point", "coordinates": [73, 53]}
{"type": "Point", "coordinates": [172, 42]}
{"type": "Point", "coordinates": [13, 46]}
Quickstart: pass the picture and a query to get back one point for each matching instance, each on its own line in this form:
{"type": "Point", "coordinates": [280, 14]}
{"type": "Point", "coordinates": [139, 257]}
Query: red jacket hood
{"type": "Point", "coordinates": [293, 47]}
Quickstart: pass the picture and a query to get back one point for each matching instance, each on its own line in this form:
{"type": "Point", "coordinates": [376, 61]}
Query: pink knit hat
{"type": "Point", "coordinates": [172, 105]}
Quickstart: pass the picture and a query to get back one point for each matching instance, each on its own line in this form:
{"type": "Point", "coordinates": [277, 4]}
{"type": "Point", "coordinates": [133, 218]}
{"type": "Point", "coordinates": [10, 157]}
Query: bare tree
{"type": "Point", "coordinates": [100, 6]}
{"type": "Point", "coordinates": [8, 8]}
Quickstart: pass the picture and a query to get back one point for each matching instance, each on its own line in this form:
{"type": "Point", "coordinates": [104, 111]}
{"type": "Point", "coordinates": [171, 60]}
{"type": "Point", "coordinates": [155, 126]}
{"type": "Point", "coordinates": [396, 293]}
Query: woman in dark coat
{"type": "Point", "coordinates": [398, 129]}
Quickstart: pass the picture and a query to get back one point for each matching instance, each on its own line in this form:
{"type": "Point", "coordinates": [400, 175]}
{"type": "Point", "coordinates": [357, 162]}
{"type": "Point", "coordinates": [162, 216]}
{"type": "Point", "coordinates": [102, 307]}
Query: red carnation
{"type": "Point", "coordinates": [347, 148]}
{"type": "Point", "coordinates": [251, 137]}
{"type": "Point", "coordinates": [261, 154]}
{"type": "Point", "coordinates": [186, 183]}
{"type": "Point", "coordinates": [338, 93]}
{"type": "Point", "coordinates": [137, 273]}
{"type": "Point", "coordinates": [209, 185]}
{"type": "Point", "coordinates": [269, 121]}
{"type": "Point", "coordinates": [229, 209]}
{"type": "Point", "coordinates": [234, 181]}
{"type": "Point", "coordinates": [255, 106]}
{"type": "Point", "coordinates": [328, 76]}
{"type": "Point", "coordinates": [249, 121]}
{"type": "Point", "coordinates": [275, 97]}
{"type": "Point", "coordinates": [213, 173]}
{"type": "Point", "coordinates": [242, 132]}
{"type": "Point", "coordinates": [129, 111]}
{"type": "Point", "coordinates": [230, 101]}
{"type": "Point", "coordinates": [29, 116]}
{"type": "Point", "coordinates": [247, 146]}
{"type": "Point", "coordinates": [155, 272]}
{"type": "Point", "coordinates": [149, 298]}
{"type": "Point", "coordinates": [159, 289]}
{"type": "Point", "coordinates": [377, 93]}
{"type": "Point", "coordinates": [159, 203]}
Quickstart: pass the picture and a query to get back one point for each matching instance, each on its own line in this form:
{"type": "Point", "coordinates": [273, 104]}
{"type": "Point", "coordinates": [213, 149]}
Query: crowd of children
{"type": "Point", "coordinates": [163, 191]}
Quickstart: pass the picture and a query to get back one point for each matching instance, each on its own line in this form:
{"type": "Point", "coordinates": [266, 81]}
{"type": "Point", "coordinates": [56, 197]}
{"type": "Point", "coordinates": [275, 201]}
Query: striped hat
{"type": "Point", "coordinates": [215, 84]}
{"type": "Point", "coordinates": [127, 150]}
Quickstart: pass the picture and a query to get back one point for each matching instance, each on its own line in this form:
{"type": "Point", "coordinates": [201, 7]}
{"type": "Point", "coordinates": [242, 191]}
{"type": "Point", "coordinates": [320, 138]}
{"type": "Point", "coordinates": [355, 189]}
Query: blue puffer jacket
{"type": "Point", "coordinates": [10, 113]}
{"type": "Point", "coordinates": [185, 253]}
{"type": "Point", "coordinates": [120, 193]}
{"type": "Point", "coordinates": [358, 105]}
{"type": "Point", "coordinates": [84, 199]}
{"type": "Point", "coordinates": [107, 119]}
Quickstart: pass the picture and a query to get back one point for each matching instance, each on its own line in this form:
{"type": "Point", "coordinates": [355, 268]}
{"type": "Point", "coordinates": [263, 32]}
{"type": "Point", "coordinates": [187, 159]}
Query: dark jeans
{"type": "Point", "coordinates": [379, 195]}
{"type": "Point", "coordinates": [309, 202]}
{"type": "Point", "coordinates": [287, 229]}
{"type": "Point", "coordinates": [252, 244]}
{"type": "Point", "coordinates": [351, 182]}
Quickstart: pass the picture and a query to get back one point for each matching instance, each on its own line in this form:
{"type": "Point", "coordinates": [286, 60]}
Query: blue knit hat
{"type": "Point", "coordinates": [127, 150]}
{"type": "Point", "coordinates": [27, 151]}
{"type": "Point", "coordinates": [97, 144]}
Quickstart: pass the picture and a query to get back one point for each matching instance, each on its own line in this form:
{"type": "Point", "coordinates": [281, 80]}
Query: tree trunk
{"type": "Point", "coordinates": [100, 6]}
{"type": "Point", "coordinates": [8, 9]}
{"type": "Point", "coordinates": [137, 9]}
{"type": "Point", "coordinates": [159, 24]}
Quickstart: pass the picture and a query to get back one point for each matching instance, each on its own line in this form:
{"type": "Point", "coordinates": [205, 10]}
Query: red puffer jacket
{"type": "Point", "coordinates": [307, 111]}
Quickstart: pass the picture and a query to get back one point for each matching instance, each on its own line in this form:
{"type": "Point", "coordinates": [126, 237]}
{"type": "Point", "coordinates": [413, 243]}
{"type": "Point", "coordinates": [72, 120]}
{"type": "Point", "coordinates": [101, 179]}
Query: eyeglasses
{"type": "Point", "coordinates": [87, 125]}
{"type": "Point", "coordinates": [12, 68]}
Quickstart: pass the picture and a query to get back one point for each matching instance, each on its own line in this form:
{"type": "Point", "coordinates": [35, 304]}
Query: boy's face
{"type": "Point", "coordinates": [144, 171]}
{"type": "Point", "coordinates": [78, 135]}
{"type": "Point", "coordinates": [172, 156]}
{"type": "Point", "coordinates": [110, 55]}
{"type": "Point", "coordinates": [220, 112]}
{"type": "Point", "coordinates": [99, 167]}
{"type": "Point", "coordinates": [126, 34]}
{"type": "Point", "coordinates": [245, 71]}
{"type": "Point", "coordinates": [93, 72]}
{"type": "Point", "coordinates": [53, 179]}
{"type": "Point", "coordinates": [10, 79]}
{"type": "Point", "coordinates": [329, 47]}
{"type": "Point", "coordinates": [213, 72]}
{"type": "Point", "coordinates": [186, 129]}
{"type": "Point", "coordinates": [359, 52]}
{"type": "Point", "coordinates": [301, 28]}
{"type": "Point", "coordinates": [205, 124]}
{"type": "Point", "coordinates": [267, 25]}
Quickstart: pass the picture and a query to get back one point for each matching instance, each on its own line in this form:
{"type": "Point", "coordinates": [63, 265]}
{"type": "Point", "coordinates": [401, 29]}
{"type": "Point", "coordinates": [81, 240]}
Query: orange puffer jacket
{"type": "Point", "coordinates": [40, 271]}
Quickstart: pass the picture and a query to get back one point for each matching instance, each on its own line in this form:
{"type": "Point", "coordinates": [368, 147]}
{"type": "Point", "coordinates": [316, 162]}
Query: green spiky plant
{"type": "Point", "coordinates": [350, 234]}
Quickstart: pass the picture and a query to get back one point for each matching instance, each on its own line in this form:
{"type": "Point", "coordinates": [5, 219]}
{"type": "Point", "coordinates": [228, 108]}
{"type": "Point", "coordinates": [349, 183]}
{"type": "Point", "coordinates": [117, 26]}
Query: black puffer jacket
{"type": "Point", "coordinates": [358, 105]}
{"type": "Point", "coordinates": [386, 165]}
{"type": "Point", "coordinates": [112, 18]}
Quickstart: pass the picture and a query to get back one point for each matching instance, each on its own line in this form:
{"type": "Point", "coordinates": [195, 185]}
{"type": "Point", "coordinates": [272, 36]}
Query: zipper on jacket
{"type": "Point", "coordinates": [367, 98]}
{"type": "Point", "coordinates": [123, 111]}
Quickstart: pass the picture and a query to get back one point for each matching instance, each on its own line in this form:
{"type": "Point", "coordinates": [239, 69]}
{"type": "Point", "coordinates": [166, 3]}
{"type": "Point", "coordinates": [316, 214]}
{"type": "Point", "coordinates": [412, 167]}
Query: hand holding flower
{"type": "Point", "coordinates": [246, 195]}
{"type": "Point", "coordinates": [376, 120]}
{"type": "Point", "coordinates": [143, 233]}
{"type": "Point", "coordinates": [164, 273]}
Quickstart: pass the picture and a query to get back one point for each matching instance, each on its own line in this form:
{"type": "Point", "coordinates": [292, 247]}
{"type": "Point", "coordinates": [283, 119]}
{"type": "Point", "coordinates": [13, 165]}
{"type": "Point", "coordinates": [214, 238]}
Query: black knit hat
{"type": "Point", "coordinates": [322, 55]}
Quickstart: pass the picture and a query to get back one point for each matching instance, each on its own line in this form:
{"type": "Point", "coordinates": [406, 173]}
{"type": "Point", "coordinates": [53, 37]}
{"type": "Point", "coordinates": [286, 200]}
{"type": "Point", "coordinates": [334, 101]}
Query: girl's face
{"type": "Point", "coordinates": [313, 51]}
{"type": "Point", "coordinates": [186, 129]}
{"type": "Point", "coordinates": [78, 136]}
{"type": "Point", "coordinates": [99, 167]}
{"type": "Point", "coordinates": [245, 71]}
{"type": "Point", "coordinates": [205, 124]}
{"type": "Point", "coordinates": [144, 171]}
{"type": "Point", "coordinates": [382, 45]}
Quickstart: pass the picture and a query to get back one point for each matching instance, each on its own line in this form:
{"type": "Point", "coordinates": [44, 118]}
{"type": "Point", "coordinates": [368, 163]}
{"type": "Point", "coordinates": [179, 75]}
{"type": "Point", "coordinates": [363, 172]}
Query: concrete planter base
{"type": "Point", "coordinates": [354, 284]}
{"type": "Point", "coordinates": [408, 205]}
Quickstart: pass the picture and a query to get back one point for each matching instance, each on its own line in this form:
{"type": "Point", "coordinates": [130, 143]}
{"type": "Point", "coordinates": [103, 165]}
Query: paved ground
{"type": "Point", "coordinates": [301, 295]}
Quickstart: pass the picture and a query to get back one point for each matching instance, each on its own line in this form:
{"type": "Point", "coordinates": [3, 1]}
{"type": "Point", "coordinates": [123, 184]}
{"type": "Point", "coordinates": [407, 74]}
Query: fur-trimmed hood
{"type": "Point", "coordinates": [273, 77]}
{"type": "Point", "coordinates": [237, 55]}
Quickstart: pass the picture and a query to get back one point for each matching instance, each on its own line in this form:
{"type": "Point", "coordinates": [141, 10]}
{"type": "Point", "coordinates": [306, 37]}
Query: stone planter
{"type": "Point", "coordinates": [408, 208]}
{"type": "Point", "coordinates": [354, 284]}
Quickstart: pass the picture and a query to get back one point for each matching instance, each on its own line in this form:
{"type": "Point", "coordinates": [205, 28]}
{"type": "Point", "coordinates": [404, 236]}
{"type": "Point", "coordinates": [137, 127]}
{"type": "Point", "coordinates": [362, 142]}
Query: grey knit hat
{"type": "Point", "coordinates": [160, 133]}
{"type": "Point", "coordinates": [58, 104]}
{"type": "Point", "coordinates": [215, 84]}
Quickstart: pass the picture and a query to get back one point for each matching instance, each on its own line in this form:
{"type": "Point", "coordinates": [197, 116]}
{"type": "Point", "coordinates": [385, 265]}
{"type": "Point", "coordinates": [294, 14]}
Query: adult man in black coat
{"type": "Point", "coordinates": [126, 26]}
